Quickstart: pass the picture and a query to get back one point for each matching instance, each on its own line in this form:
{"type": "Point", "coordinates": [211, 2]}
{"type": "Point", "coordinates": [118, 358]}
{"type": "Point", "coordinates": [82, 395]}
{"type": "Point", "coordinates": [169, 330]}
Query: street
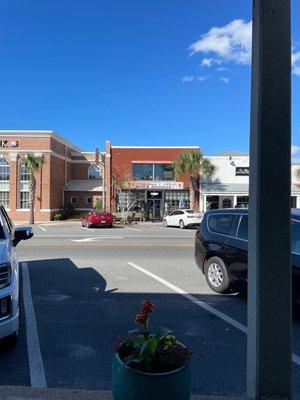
{"type": "Point", "coordinates": [86, 285]}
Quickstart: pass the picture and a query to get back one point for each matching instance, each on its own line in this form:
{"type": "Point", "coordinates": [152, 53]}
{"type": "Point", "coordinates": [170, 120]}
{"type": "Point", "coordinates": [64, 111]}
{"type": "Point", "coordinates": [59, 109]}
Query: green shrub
{"type": "Point", "coordinates": [99, 205]}
{"type": "Point", "coordinates": [57, 217]}
{"type": "Point", "coordinates": [67, 211]}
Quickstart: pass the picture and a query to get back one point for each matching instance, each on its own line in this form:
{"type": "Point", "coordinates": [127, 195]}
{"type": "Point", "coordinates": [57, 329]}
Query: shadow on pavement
{"type": "Point", "coordinates": [78, 319]}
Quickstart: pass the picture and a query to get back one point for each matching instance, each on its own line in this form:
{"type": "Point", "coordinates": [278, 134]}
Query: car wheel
{"type": "Point", "coordinates": [181, 224]}
{"type": "Point", "coordinates": [82, 224]}
{"type": "Point", "coordinates": [216, 275]}
{"type": "Point", "coordinates": [165, 223]}
{"type": "Point", "coordinates": [88, 225]}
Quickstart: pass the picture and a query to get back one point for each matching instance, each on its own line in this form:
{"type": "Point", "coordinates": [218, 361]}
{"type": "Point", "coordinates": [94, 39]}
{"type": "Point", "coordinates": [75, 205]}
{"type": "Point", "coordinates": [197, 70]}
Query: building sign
{"type": "Point", "coordinates": [242, 171]}
{"type": "Point", "coordinates": [156, 185]}
{"type": "Point", "coordinates": [4, 144]}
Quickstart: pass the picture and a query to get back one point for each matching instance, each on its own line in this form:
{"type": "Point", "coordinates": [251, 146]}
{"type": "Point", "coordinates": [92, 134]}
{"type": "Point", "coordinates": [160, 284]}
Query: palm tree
{"type": "Point", "coordinates": [193, 163]}
{"type": "Point", "coordinates": [32, 164]}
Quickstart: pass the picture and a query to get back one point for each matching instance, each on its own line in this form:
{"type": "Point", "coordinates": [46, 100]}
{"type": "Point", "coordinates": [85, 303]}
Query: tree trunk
{"type": "Point", "coordinates": [192, 192]}
{"type": "Point", "coordinates": [32, 187]}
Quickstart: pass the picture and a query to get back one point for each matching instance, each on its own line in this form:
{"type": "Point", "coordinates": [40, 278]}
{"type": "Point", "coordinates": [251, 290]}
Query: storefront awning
{"type": "Point", "coordinates": [93, 185]}
{"type": "Point", "coordinates": [234, 188]}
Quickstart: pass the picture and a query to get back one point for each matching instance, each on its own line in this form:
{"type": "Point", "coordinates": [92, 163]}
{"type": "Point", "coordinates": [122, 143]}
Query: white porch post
{"type": "Point", "coordinates": [234, 201]}
{"type": "Point", "coordinates": [269, 272]}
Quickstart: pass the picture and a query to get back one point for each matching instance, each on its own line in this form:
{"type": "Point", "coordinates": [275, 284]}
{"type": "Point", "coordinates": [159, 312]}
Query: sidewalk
{"type": "Point", "coordinates": [26, 393]}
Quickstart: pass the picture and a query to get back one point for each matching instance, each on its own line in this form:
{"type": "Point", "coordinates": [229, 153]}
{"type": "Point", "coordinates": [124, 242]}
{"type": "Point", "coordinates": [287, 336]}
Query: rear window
{"type": "Point", "coordinates": [295, 236]}
{"type": "Point", "coordinates": [192, 212]}
{"type": "Point", "coordinates": [221, 223]}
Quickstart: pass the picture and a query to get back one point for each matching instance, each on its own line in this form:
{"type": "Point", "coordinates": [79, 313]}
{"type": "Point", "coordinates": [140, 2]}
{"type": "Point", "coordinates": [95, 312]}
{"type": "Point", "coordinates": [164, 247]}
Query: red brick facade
{"type": "Point", "coordinates": [66, 167]}
{"type": "Point", "coordinates": [119, 164]}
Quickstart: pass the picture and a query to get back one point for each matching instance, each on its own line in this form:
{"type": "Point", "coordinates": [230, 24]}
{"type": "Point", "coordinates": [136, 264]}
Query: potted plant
{"type": "Point", "coordinates": [150, 366]}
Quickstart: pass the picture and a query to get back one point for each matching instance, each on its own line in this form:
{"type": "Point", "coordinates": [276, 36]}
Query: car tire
{"type": "Point", "coordinates": [181, 224]}
{"type": "Point", "coordinates": [12, 339]}
{"type": "Point", "coordinates": [216, 274]}
{"type": "Point", "coordinates": [165, 223]}
{"type": "Point", "coordinates": [82, 224]}
{"type": "Point", "coordinates": [88, 225]}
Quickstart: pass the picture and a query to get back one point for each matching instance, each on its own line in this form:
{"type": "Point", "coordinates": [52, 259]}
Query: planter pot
{"type": "Point", "coordinates": [130, 384]}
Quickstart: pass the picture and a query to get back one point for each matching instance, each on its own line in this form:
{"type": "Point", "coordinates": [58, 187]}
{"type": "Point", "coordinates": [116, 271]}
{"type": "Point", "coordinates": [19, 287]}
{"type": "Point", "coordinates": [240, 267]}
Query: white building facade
{"type": "Point", "coordinates": [229, 187]}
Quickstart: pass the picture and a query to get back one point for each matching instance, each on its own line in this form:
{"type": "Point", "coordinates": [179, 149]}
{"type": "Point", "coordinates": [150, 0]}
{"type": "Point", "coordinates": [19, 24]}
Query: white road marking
{"type": "Point", "coordinates": [135, 229]}
{"type": "Point", "coordinates": [43, 229]}
{"type": "Point", "coordinates": [88, 229]}
{"type": "Point", "coordinates": [95, 239]}
{"type": "Point", "coordinates": [36, 367]}
{"type": "Point", "coordinates": [202, 304]}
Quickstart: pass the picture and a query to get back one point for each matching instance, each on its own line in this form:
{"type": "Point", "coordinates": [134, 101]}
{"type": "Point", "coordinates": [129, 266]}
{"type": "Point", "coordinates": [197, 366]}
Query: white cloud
{"type": "Point", "coordinates": [187, 78]}
{"type": "Point", "coordinates": [231, 42]}
{"type": "Point", "coordinates": [202, 78]}
{"type": "Point", "coordinates": [296, 63]}
{"type": "Point", "coordinates": [295, 150]}
{"type": "Point", "coordinates": [223, 69]}
{"type": "Point", "coordinates": [207, 62]}
{"type": "Point", "coordinates": [225, 80]}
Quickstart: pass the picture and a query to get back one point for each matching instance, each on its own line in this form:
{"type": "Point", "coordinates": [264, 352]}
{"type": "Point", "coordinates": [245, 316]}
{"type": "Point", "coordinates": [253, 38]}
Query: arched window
{"type": "Point", "coordinates": [94, 171]}
{"type": "Point", "coordinates": [4, 182]}
{"type": "Point", "coordinates": [24, 187]}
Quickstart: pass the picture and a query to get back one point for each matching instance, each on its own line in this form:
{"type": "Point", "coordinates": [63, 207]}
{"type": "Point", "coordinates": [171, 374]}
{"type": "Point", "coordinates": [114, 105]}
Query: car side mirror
{"type": "Point", "coordinates": [22, 234]}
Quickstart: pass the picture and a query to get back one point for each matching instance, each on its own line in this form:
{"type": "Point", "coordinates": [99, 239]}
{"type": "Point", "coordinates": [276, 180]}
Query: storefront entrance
{"type": "Point", "coordinates": [154, 206]}
{"type": "Point", "coordinates": [154, 201]}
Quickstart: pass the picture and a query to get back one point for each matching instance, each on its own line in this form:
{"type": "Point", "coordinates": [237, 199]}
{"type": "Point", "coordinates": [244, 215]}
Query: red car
{"type": "Point", "coordinates": [98, 218]}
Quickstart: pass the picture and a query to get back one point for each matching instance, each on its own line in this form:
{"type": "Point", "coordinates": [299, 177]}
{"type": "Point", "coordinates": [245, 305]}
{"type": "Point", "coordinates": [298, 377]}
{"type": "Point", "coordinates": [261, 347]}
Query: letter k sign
{"type": "Point", "coordinates": [3, 143]}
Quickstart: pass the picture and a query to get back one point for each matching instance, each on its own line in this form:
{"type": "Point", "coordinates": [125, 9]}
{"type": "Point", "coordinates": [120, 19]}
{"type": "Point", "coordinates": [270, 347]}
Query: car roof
{"type": "Point", "coordinates": [295, 212]}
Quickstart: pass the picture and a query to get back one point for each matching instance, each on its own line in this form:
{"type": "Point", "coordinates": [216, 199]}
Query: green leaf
{"type": "Point", "coordinates": [152, 344]}
{"type": "Point", "coordinates": [130, 359]}
{"type": "Point", "coordinates": [162, 332]}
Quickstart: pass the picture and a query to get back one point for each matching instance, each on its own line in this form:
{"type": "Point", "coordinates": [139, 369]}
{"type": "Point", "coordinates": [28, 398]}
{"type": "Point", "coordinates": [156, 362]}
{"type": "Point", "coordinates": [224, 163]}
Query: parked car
{"type": "Point", "coordinates": [9, 275]}
{"type": "Point", "coordinates": [221, 248]}
{"type": "Point", "coordinates": [183, 218]}
{"type": "Point", "coordinates": [98, 218]}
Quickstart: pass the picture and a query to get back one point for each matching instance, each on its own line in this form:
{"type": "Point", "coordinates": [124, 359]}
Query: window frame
{"type": "Point", "coordinates": [153, 179]}
{"type": "Point", "coordinates": [4, 194]}
{"type": "Point", "coordinates": [21, 173]}
{"type": "Point", "coordinates": [234, 225]}
{"type": "Point", "coordinates": [86, 200]}
{"type": "Point", "coordinates": [74, 202]}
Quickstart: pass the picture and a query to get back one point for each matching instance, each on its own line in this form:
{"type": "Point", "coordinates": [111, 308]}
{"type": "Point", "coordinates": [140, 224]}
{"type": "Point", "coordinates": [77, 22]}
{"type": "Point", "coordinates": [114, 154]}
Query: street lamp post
{"type": "Point", "coordinates": [269, 272]}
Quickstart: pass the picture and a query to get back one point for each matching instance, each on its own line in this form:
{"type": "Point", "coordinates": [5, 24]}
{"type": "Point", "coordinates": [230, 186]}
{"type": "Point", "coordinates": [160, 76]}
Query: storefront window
{"type": "Point", "coordinates": [173, 199]}
{"type": "Point", "coordinates": [142, 172]}
{"type": "Point", "coordinates": [242, 201]}
{"type": "Point", "coordinates": [4, 183]}
{"type": "Point", "coordinates": [212, 202]}
{"type": "Point", "coordinates": [163, 172]}
{"type": "Point", "coordinates": [24, 187]}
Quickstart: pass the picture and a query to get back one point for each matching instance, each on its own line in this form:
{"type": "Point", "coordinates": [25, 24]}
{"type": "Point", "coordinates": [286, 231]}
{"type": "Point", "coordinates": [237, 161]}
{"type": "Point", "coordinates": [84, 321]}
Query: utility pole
{"type": "Point", "coordinates": [269, 271]}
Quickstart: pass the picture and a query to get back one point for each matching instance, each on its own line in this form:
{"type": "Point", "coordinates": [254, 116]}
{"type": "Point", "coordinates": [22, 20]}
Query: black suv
{"type": "Point", "coordinates": [221, 248]}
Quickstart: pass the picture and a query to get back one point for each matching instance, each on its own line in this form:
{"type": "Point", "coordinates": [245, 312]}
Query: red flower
{"type": "Point", "coordinates": [147, 307]}
{"type": "Point", "coordinates": [141, 318]}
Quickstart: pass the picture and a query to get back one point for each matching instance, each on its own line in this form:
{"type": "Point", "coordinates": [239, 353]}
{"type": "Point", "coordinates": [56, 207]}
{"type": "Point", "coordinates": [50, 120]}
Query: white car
{"type": "Point", "coordinates": [183, 218]}
{"type": "Point", "coordinates": [9, 275]}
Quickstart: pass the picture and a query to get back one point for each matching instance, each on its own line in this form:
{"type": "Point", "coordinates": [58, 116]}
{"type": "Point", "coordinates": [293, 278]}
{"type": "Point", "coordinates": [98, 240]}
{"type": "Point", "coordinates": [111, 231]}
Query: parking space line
{"type": "Point", "coordinates": [43, 229]}
{"type": "Point", "coordinates": [36, 366]}
{"type": "Point", "coordinates": [202, 304]}
{"type": "Point", "coordinates": [135, 229]}
{"type": "Point", "coordinates": [87, 229]}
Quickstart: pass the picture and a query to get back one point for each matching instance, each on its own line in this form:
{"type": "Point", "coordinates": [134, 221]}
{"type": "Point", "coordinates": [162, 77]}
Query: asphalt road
{"type": "Point", "coordinates": [86, 286]}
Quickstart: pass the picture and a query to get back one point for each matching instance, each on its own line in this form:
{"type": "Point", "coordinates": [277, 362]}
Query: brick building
{"type": "Point", "coordinates": [147, 178]}
{"type": "Point", "coordinates": [69, 175]}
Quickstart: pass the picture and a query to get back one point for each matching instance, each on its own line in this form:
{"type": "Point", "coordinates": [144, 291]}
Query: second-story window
{"type": "Point", "coordinates": [94, 171]}
{"type": "Point", "coordinates": [24, 187]}
{"type": "Point", "coordinates": [4, 182]}
{"type": "Point", "coordinates": [152, 172]}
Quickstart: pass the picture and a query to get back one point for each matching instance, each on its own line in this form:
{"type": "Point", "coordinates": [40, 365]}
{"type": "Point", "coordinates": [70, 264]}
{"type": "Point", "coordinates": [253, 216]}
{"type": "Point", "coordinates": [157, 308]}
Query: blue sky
{"type": "Point", "coordinates": [124, 70]}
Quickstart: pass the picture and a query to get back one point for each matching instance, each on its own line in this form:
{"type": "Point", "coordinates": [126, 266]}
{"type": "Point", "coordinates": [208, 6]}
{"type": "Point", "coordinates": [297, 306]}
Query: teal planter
{"type": "Point", "coordinates": [129, 384]}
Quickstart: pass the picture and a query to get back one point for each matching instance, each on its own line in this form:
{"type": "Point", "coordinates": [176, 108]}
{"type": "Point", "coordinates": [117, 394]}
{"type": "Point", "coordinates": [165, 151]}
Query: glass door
{"type": "Point", "coordinates": [154, 206]}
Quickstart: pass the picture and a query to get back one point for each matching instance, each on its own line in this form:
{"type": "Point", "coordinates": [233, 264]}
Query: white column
{"type": "Point", "coordinates": [298, 202]}
{"type": "Point", "coordinates": [269, 272]}
{"type": "Point", "coordinates": [234, 201]}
